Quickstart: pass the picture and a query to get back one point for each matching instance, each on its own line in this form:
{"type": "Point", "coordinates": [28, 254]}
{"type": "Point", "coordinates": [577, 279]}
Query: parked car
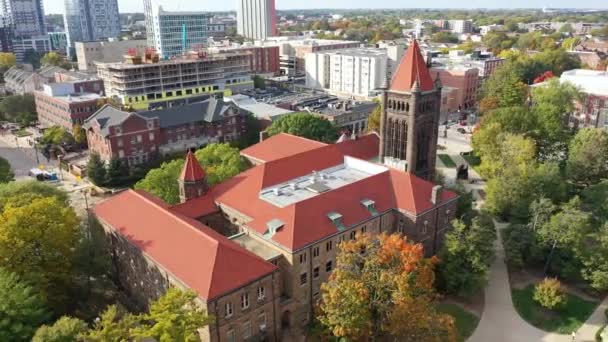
{"type": "Point", "coordinates": [461, 130]}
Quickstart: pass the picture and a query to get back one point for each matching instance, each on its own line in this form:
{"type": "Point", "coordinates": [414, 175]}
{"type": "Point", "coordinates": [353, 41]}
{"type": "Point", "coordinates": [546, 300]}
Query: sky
{"type": "Point", "coordinates": [56, 6]}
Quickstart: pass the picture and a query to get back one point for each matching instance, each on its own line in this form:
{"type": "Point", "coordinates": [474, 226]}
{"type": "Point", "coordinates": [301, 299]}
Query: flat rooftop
{"type": "Point", "coordinates": [318, 182]}
{"type": "Point", "coordinates": [590, 81]}
{"type": "Point", "coordinates": [361, 52]}
{"type": "Point", "coordinates": [255, 247]}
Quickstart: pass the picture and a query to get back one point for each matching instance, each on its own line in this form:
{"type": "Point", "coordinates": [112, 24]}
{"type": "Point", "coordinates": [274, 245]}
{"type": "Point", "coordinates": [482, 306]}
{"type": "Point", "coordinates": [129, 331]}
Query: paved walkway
{"type": "Point", "coordinates": [587, 332]}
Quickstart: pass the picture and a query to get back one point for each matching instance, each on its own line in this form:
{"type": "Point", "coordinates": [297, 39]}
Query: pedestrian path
{"type": "Point", "coordinates": [586, 333]}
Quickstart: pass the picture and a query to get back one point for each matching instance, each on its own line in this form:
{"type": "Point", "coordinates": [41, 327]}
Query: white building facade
{"type": "Point", "coordinates": [256, 19]}
{"type": "Point", "coordinates": [354, 73]}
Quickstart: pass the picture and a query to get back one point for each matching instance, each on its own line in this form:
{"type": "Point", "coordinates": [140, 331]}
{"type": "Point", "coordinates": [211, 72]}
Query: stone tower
{"type": "Point", "coordinates": [410, 120]}
{"type": "Point", "coordinates": [193, 180]}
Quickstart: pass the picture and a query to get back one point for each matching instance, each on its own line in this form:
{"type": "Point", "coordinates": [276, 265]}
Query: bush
{"type": "Point", "coordinates": [549, 293]}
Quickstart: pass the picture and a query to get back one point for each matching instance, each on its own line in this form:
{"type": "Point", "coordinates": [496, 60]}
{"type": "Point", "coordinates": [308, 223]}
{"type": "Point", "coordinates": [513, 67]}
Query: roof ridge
{"type": "Point", "coordinates": [303, 138]}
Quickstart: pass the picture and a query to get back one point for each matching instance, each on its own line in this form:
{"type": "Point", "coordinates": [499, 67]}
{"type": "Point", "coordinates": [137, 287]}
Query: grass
{"type": "Point", "coordinates": [22, 133]}
{"type": "Point", "coordinates": [447, 161]}
{"type": "Point", "coordinates": [466, 322]}
{"type": "Point", "coordinates": [564, 320]}
{"type": "Point", "coordinates": [472, 159]}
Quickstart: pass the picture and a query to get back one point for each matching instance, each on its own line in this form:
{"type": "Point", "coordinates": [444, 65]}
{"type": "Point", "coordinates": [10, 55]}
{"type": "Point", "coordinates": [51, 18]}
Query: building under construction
{"type": "Point", "coordinates": [147, 82]}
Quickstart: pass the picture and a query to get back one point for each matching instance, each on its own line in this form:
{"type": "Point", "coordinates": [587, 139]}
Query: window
{"type": "Point", "coordinates": [328, 266]}
{"type": "Point", "coordinates": [228, 310]}
{"type": "Point", "coordinates": [353, 234]}
{"type": "Point", "coordinates": [315, 272]}
{"type": "Point", "coordinates": [261, 293]}
{"type": "Point", "coordinates": [315, 252]}
{"type": "Point", "coordinates": [424, 227]}
{"type": "Point", "coordinates": [303, 278]}
{"type": "Point", "coordinates": [329, 245]}
{"type": "Point", "coordinates": [262, 320]}
{"type": "Point", "coordinates": [244, 301]}
{"type": "Point", "coordinates": [151, 136]}
{"type": "Point", "coordinates": [230, 336]}
{"type": "Point", "coordinates": [246, 330]}
{"type": "Point", "coordinates": [139, 138]}
{"type": "Point", "coordinates": [121, 154]}
{"type": "Point", "coordinates": [363, 229]}
{"type": "Point", "coordinates": [401, 226]}
{"type": "Point", "coordinates": [119, 142]}
{"type": "Point", "coordinates": [133, 140]}
{"type": "Point", "coordinates": [303, 258]}
{"type": "Point", "coordinates": [117, 130]}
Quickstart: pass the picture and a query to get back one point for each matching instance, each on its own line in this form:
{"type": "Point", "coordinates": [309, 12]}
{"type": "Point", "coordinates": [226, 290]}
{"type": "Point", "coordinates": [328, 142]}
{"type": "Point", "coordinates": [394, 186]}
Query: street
{"type": "Point", "coordinates": [21, 158]}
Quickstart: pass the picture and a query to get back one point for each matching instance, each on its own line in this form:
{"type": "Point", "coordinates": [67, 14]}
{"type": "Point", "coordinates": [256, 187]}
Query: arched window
{"type": "Point", "coordinates": [407, 107]}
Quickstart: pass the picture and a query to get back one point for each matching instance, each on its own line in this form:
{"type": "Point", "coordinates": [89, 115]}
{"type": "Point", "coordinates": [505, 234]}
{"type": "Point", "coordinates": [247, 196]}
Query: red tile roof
{"type": "Point", "coordinates": [306, 221]}
{"type": "Point", "coordinates": [411, 68]}
{"type": "Point", "coordinates": [192, 170]}
{"type": "Point", "coordinates": [280, 146]}
{"type": "Point", "coordinates": [201, 258]}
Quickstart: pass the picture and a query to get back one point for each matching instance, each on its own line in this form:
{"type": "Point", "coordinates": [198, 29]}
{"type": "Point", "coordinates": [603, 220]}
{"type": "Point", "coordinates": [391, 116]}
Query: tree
{"type": "Point", "coordinates": [116, 172]}
{"type": "Point", "coordinates": [258, 82]}
{"type": "Point", "coordinates": [31, 56]}
{"type": "Point", "coordinates": [588, 156]}
{"type": "Point", "coordinates": [466, 256]}
{"type": "Point", "coordinates": [550, 294]}
{"type": "Point", "coordinates": [305, 125]}
{"type": "Point", "coordinates": [594, 258]}
{"type": "Point", "coordinates": [504, 88]}
{"type": "Point", "coordinates": [163, 181]}
{"type": "Point", "coordinates": [54, 59]}
{"type": "Point", "coordinates": [7, 60]}
{"type": "Point", "coordinates": [504, 152]}
{"type": "Point", "coordinates": [566, 28]}
{"type": "Point", "coordinates": [56, 135]}
{"type": "Point", "coordinates": [65, 329]}
{"type": "Point", "coordinates": [96, 170]}
{"type": "Point", "coordinates": [373, 122]}
{"type": "Point", "coordinates": [19, 108]}
{"type": "Point", "coordinates": [21, 193]}
{"type": "Point", "coordinates": [80, 135]}
{"type": "Point", "coordinates": [113, 325]}
{"type": "Point", "coordinates": [383, 286]}
{"type": "Point", "coordinates": [444, 37]}
{"type": "Point", "coordinates": [6, 175]}
{"type": "Point", "coordinates": [22, 309]}
{"type": "Point", "coordinates": [47, 232]}
{"type": "Point", "coordinates": [251, 136]}
{"type": "Point", "coordinates": [176, 316]}
{"type": "Point", "coordinates": [220, 162]}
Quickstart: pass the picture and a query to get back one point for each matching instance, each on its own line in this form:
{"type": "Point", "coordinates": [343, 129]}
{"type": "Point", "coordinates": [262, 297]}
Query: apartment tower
{"type": "Point", "coordinates": [256, 19]}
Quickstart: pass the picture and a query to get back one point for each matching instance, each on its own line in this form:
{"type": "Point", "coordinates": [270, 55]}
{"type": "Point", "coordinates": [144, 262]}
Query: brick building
{"type": "Point", "coordinates": [67, 104]}
{"type": "Point", "coordinates": [592, 111]}
{"type": "Point", "coordinates": [140, 137]}
{"type": "Point", "coordinates": [466, 79]}
{"type": "Point", "coordinates": [272, 232]}
{"type": "Point", "coordinates": [263, 59]}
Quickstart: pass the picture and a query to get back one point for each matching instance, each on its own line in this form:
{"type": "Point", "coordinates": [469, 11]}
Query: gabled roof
{"type": "Point", "coordinates": [412, 68]}
{"type": "Point", "coordinates": [209, 110]}
{"type": "Point", "coordinates": [192, 170]}
{"type": "Point", "coordinates": [202, 259]}
{"type": "Point", "coordinates": [107, 116]}
{"type": "Point", "coordinates": [306, 221]}
{"type": "Point", "coordinates": [280, 146]}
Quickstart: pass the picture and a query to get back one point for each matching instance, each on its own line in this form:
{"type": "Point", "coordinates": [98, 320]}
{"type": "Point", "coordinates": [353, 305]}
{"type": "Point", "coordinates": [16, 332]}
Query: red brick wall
{"type": "Point", "coordinates": [57, 112]}
{"type": "Point", "coordinates": [265, 59]}
{"type": "Point", "coordinates": [467, 81]}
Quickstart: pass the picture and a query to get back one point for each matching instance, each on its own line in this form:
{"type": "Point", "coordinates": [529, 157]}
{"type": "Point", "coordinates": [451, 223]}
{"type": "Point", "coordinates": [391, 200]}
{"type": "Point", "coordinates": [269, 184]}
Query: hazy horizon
{"type": "Point", "coordinates": [130, 6]}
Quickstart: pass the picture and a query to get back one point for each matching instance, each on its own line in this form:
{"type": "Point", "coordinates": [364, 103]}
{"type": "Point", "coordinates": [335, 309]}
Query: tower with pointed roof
{"type": "Point", "coordinates": [193, 180]}
{"type": "Point", "coordinates": [410, 120]}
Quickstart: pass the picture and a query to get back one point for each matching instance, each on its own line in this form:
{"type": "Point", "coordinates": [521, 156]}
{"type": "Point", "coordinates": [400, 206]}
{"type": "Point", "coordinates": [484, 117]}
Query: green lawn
{"type": "Point", "coordinates": [564, 320]}
{"type": "Point", "coordinates": [446, 160]}
{"type": "Point", "coordinates": [22, 133]}
{"type": "Point", "coordinates": [466, 322]}
{"type": "Point", "coordinates": [472, 159]}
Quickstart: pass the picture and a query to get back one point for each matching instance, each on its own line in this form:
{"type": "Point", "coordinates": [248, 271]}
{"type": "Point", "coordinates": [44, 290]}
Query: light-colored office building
{"type": "Point", "coordinates": [148, 82]}
{"type": "Point", "coordinates": [90, 20]}
{"type": "Point", "coordinates": [356, 73]}
{"type": "Point", "coordinates": [87, 53]}
{"type": "Point", "coordinates": [176, 33]}
{"type": "Point", "coordinates": [256, 19]}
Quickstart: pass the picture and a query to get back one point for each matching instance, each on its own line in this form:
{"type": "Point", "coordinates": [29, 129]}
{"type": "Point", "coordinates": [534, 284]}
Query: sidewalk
{"type": "Point", "coordinates": [586, 333]}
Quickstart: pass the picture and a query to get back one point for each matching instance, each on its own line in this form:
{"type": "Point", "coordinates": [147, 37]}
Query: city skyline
{"type": "Point", "coordinates": [57, 6]}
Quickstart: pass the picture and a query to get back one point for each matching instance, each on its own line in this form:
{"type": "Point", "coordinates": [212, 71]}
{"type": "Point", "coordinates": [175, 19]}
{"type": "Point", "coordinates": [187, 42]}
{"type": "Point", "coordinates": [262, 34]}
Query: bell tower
{"type": "Point", "coordinates": [409, 123]}
{"type": "Point", "coordinates": [193, 180]}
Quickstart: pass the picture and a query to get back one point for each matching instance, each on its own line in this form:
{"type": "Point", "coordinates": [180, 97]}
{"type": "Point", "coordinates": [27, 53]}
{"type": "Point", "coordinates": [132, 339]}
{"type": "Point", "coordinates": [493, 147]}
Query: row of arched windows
{"type": "Point", "coordinates": [399, 106]}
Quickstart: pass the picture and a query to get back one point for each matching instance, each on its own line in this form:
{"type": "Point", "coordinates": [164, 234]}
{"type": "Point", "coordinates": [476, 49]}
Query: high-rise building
{"type": "Point", "coordinates": [26, 18]}
{"type": "Point", "coordinates": [176, 33]}
{"type": "Point", "coordinates": [149, 22]}
{"type": "Point", "coordinates": [91, 20]}
{"type": "Point", "coordinates": [256, 19]}
{"type": "Point", "coordinates": [410, 120]}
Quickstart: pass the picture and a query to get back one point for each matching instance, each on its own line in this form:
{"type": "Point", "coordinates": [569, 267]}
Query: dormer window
{"type": "Point", "coordinates": [336, 219]}
{"type": "Point", "coordinates": [272, 227]}
{"type": "Point", "coordinates": [370, 205]}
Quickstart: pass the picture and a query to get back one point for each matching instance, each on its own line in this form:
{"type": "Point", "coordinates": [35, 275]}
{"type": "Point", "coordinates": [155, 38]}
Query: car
{"type": "Point", "coordinates": [461, 130]}
{"type": "Point", "coordinates": [463, 123]}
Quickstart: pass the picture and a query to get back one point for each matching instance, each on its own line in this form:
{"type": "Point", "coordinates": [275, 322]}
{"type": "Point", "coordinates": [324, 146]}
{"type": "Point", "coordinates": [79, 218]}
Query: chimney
{"type": "Point", "coordinates": [436, 194]}
{"type": "Point", "coordinates": [263, 135]}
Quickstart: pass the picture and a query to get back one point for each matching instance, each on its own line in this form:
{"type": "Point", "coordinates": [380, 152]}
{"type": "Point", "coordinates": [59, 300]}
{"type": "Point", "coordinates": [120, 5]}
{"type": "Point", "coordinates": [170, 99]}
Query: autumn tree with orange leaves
{"type": "Point", "coordinates": [382, 288]}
